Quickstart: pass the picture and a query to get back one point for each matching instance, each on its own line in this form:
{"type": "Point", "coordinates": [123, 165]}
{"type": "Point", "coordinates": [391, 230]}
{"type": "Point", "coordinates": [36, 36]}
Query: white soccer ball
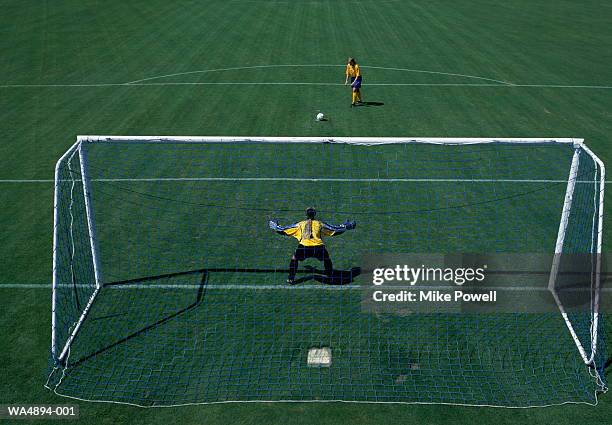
{"type": "Point", "coordinates": [320, 116]}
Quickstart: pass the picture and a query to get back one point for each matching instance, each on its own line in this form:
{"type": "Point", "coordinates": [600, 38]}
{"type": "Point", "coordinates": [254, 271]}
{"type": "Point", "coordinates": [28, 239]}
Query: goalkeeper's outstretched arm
{"type": "Point", "coordinates": [328, 229]}
{"type": "Point", "coordinates": [339, 229]}
{"type": "Point", "coordinates": [280, 229]}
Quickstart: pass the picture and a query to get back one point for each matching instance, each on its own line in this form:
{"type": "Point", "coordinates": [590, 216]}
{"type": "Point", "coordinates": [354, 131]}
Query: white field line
{"type": "Point", "coordinates": [244, 68]}
{"type": "Point", "coordinates": [489, 82]}
{"type": "Point", "coordinates": [301, 179]}
{"type": "Point", "coordinates": [293, 287]}
{"type": "Point", "coordinates": [259, 83]}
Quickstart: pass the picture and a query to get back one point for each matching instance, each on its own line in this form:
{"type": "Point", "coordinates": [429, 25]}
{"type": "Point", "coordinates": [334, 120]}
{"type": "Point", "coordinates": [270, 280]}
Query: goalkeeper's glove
{"type": "Point", "coordinates": [349, 225]}
{"type": "Point", "coordinates": [274, 225]}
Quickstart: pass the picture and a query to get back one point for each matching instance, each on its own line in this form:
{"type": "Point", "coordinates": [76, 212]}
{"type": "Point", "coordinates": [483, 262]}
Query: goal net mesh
{"type": "Point", "coordinates": [169, 287]}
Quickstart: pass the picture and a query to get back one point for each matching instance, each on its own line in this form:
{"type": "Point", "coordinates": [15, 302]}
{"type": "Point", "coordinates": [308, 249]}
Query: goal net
{"type": "Point", "coordinates": [169, 288]}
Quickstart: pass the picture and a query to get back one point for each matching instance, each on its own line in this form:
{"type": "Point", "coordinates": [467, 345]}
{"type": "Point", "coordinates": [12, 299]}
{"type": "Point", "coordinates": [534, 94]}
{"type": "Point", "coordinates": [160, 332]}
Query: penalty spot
{"type": "Point", "coordinates": [319, 357]}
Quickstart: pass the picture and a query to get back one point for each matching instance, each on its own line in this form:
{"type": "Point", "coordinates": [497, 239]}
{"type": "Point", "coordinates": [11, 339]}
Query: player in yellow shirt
{"type": "Point", "coordinates": [353, 73]}
{"type": "Point", "coordinates": [309, 233]}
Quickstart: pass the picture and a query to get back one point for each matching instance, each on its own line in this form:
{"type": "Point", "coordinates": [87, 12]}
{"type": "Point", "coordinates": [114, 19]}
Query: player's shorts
{"type": "Point", "coordinates": [356, 82]}
{"type": "Point", "coordinates": [319, 252]}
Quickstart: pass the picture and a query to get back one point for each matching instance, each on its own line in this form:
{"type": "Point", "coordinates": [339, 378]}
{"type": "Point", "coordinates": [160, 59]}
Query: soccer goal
{"type": "Point", "coordinates": [169, 288]}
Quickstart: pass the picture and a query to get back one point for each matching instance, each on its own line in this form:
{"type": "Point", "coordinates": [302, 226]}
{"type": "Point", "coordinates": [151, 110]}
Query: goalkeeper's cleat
{"type": "Point", "coordinates": [290, 281]}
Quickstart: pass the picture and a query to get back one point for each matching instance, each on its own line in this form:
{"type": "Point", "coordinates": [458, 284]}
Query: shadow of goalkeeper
{"type": "Point", "coordinates": [336, 277]}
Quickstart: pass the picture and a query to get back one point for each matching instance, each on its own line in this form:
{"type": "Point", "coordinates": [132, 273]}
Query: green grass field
{"type": "Point", "coordinates": [518, 69]}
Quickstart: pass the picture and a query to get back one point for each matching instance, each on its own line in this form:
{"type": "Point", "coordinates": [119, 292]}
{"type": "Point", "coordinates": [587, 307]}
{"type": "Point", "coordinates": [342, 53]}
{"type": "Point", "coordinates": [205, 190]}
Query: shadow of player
{"type": "Point", "coordinates": [338, 277]}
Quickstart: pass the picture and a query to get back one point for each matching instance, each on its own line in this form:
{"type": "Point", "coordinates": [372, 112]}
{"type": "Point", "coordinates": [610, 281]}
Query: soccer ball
{"type": "Point", "coordinates": [320, 116]}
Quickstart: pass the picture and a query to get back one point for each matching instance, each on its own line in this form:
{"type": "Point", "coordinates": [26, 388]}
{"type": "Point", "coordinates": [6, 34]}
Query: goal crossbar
{"type": "Point", "coordinates": [346, 140]}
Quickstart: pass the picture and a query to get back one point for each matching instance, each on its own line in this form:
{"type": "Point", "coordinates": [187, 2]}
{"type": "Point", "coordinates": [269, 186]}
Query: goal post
{"type": "Point", "coordinates": [169, 288]}
{"type": "Point", "coordinates": [75, 173]}
{"type": "Point", "coordinates": [589, 357]}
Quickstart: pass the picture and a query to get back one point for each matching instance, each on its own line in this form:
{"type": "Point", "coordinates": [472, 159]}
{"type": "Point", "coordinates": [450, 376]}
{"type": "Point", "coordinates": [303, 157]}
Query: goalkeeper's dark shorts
{"type": "Point", "coordinates": [319, 252]}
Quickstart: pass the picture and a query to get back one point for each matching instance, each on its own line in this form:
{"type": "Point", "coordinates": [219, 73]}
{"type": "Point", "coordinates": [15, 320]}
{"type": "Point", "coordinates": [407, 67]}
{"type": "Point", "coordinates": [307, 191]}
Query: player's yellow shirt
{"type": "Point", "coordinates": [353, 71]}
{"type": "Point", "coordinates": [309, 232]}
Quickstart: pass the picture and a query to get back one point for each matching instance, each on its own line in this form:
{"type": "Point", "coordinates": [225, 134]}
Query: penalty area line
{"type": "Point", "coordinates": [285, 287]}
{"type": "Point", "coordinates": [301, 179]}
{"type": "Point", "coordinates": [175, 286]}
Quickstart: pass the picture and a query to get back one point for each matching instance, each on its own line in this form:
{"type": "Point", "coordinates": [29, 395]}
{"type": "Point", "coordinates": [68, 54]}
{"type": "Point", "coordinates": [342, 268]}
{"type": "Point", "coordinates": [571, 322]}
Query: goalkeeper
{"type": "Point", "coordinates": [309, 232]}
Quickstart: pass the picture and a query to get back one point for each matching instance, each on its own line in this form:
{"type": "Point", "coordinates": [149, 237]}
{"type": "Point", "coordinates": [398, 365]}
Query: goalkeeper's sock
{"type": "Point", "coordinates": [354, 97]}
{"type": "Point", "coordinates": [358, 92]}
{"type": "Point", "coordinates": [329, 267]}
{"type": "Point", "coordinates": [293, 265]}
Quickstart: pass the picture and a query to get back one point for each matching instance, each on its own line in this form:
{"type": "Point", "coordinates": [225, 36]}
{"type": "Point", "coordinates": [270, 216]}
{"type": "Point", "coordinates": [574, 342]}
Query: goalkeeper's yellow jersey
{"type": "Point", "coordinates": [309, 232]}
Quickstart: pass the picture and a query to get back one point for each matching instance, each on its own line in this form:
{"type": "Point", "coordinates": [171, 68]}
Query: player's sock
{"type": "Point", "coordinates": [293, 265]}
{"type": "Point", "coordinates": [358, 95]}
{"type": "Point", "coordinates": [354, 98]}
{"type": "Point", "coordinates": [329, 267]}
